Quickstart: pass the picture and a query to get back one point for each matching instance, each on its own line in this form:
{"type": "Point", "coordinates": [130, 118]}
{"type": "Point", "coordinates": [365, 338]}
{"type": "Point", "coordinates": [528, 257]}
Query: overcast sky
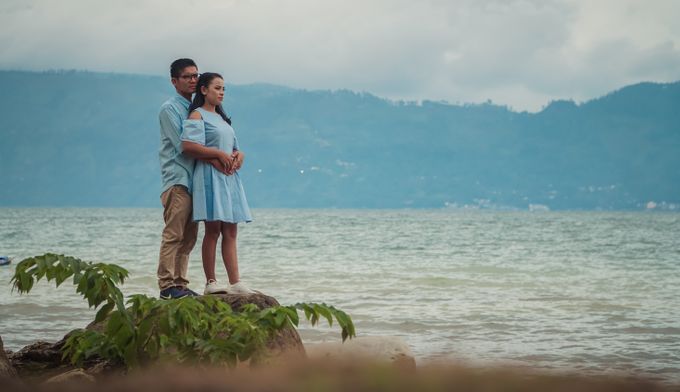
{"type": "Point", "coordinates": [521, 53]}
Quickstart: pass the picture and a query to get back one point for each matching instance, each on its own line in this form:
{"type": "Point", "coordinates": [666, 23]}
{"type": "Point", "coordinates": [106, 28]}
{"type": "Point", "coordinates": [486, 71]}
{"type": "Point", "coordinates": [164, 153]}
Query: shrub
{"type": "Point", "coordinates": [202, 329]}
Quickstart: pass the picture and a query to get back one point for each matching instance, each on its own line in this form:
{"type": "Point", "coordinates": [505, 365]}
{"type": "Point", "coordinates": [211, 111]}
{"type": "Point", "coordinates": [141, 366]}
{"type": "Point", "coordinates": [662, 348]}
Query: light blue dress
{"type": "Point", "coordinates": [216, 196]}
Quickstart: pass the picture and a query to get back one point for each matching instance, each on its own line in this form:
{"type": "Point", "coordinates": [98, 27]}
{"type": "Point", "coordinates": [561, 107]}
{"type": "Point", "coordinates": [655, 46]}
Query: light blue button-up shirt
{"type": "Point", "coordinates": [176, 168]}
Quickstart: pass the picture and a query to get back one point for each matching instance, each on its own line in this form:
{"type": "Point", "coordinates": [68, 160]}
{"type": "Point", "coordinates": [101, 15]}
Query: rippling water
{"type": "Point", "coordinates": [592, 292]}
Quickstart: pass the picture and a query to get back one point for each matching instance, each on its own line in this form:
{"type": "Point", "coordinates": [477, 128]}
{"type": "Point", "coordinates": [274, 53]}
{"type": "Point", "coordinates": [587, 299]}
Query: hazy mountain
{"type": "Point", "coordinates": [91, 139]}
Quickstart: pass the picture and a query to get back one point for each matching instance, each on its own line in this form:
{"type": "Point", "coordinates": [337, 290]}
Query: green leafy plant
{"type": "Point", "coordinates": [202, 329]}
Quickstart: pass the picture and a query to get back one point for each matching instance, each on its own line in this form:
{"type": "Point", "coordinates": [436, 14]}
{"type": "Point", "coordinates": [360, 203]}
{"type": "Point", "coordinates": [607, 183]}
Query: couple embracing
{"type": "Point", "coordinates": [200, 159]}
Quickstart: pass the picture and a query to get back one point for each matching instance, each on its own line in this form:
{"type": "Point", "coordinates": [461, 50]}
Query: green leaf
{"type": "Point", "coordinates": [23, 283]}
{"type": "Point", "coordinates": [103, 312]}
{"type": "Point", "coordinates": [280, 319]}
{"type": "Point", "coordinates": [307, 309]}
{"type": "Point", "coordinates": [325, 312]}
{"type": "Point", "coordinates": [292, 314]}
{"type": "Point", "coordinates": [131, 358]}
{"type": "Point", "coordinates": [62, 275]}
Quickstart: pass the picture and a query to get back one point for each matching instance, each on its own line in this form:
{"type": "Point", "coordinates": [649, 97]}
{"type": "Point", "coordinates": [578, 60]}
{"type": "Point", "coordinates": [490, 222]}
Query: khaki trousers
{"type": "Point", "coordinates": [179, 237]}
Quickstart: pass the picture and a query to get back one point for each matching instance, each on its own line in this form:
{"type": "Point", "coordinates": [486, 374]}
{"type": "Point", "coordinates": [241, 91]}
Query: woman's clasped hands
{"type": "Point", "coordinates": [228, 164]}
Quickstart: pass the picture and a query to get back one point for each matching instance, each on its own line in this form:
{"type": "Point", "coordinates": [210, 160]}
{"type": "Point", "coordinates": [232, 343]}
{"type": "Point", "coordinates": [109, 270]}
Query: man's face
{"type": "Point", "coordinates": [186, 82]}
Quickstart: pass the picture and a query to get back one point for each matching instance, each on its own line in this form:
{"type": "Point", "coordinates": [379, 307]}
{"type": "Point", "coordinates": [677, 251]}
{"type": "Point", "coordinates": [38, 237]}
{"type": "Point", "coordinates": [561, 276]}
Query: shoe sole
{"type": "Point", "coordinates": [237, 293]}
{"type": "Point", "coordinates": [215, 292]}
{"type": "Point", "coordinates": [171, 297]}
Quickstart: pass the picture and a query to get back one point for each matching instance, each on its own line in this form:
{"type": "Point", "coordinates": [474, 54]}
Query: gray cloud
{"type": "Point", "coordinates": [517, 52]}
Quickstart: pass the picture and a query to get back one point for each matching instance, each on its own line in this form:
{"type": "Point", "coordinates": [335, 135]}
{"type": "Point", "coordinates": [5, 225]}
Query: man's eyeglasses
{"type": "Point", "coordinates": [190, 76]}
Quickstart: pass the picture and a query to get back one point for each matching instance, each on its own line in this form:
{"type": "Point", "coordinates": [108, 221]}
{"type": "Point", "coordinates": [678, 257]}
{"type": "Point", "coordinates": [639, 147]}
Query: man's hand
{"type": "Point", "coordinates": [237, 157]}
{"type": "Point", "coordinates": [223, 163]}
{"type": "Point", "coordinates": [199, 151]}
{"type": "Point", "coordinates": [218, 166]}
{"type": "Point", "coordinates": [227, 162]}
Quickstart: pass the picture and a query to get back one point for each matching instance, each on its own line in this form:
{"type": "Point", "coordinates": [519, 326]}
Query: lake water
{"type": "Point", "coordinates": [592, 292]}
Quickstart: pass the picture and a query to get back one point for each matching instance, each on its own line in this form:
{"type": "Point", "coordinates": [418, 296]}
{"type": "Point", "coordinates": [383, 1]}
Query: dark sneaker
{"type": "Point", "coordinates": [174, 293]}
{"type": "Point", "coordinates": [191, 292]}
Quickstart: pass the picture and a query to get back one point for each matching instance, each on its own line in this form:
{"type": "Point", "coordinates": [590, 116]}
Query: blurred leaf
{"type": "Point", "coordinates": [103, 312]}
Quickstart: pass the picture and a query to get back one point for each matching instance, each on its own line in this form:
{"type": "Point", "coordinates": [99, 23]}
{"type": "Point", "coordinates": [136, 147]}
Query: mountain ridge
{"type": "Point", "coordinates": [92, 140]}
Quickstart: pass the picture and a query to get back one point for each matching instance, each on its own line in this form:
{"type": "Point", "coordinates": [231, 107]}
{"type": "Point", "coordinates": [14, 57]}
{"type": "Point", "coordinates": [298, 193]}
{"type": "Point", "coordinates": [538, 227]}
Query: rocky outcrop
{"type": "Point", "coordinates": [286, 342]}
{"type": "Point", "coordinates": [43, 360]}
{"type": "Point", "coordinates": [6, 369]}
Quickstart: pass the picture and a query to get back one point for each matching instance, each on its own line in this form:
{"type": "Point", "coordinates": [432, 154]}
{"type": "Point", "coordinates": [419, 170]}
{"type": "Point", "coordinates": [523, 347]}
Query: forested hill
{"type": "Point", "coordinates": [91, 139]}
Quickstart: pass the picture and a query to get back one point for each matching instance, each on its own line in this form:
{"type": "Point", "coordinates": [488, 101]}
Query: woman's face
{"type": "Point", "coordinates": [214, 93]}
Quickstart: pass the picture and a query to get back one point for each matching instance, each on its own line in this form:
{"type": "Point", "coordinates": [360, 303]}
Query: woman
{"type": "Point", "coordinates": [218, 197]}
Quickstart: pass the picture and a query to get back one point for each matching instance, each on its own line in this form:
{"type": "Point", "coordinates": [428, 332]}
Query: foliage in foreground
{"type": "Point", "coordinates": [202, 329]}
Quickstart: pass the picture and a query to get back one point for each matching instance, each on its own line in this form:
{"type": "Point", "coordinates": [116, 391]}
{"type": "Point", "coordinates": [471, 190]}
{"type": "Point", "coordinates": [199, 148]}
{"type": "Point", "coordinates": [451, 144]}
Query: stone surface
{"type": "Point", "coordinates": [39, 361]}
{"type": "Point", "coordinates": [6, 368]}
{"type": "Point", "coordinates": [42, 360]}
{"type": "Point", "coordinates": [389, 349]}
{"type": "Point", "coordinates": [286, 342]}
{"type": "Point", "coordinates": [37, 356]}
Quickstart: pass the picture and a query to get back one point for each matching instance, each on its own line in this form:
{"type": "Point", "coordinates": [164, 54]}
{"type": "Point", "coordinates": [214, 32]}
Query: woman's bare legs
{"type": "Point", "coordinates": [212, 234]}
{"type": "Point", "coordinates": [229, 256]}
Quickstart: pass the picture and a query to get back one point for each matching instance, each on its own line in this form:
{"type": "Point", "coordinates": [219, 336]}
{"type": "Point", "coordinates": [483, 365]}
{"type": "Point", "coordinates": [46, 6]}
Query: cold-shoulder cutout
{"type": "Point", "coordinates": [195, 115]}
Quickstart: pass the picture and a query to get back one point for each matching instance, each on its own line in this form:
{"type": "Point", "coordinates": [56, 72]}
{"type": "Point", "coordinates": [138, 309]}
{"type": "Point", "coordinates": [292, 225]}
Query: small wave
{"type": "Point", "coordinates": [487, 269]}
{"type": "Point", "coordinates": [553, 298]}
{"type": "Point", "coordinates": [647, 330]}
{"type": "Point", "coordinates": [441, 281]}
{"type": "Point", "coordinates": [609, 307]}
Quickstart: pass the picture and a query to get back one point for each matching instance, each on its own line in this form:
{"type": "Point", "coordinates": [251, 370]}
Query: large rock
{"type": "Point", "coordinates": [39, 361]}
{"type": "Point", "coordinates": [42, 360]}
{"type": "Point", "coordinates": [286, 342]}
{"type": "Point", "coordinates": [6, 368]}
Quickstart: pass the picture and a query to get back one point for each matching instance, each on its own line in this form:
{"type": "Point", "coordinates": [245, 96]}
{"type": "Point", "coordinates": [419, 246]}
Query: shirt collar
{"type": "Point", "coordinates": [183, 100]}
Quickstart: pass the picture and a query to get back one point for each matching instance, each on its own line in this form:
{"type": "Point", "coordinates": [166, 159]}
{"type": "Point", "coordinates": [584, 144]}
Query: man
{"type": "Point", "coordinates": [179, 234]}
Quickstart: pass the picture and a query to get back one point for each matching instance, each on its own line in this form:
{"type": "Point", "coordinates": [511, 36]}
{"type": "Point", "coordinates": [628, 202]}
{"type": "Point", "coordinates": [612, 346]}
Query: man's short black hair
{"type": "Point", "coordinates": [178, 66]}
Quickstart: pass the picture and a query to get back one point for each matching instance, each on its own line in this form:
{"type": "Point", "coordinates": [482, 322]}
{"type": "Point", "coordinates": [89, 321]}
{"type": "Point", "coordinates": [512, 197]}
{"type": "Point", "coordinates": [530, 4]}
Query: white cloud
{"type": "Point", "coordinates": [522, 53]}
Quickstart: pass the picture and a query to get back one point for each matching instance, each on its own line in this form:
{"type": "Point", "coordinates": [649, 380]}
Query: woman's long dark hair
{"type": "Point", "coordinates": [199, 99]}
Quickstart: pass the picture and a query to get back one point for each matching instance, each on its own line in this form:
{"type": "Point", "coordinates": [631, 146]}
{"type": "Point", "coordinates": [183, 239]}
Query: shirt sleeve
{"type": "Point", "coordinates": [194, 131]}
{"type": "Point", "coordinates": [236, 148]}
{"type": "Point", "coordinates": [171, 127]}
